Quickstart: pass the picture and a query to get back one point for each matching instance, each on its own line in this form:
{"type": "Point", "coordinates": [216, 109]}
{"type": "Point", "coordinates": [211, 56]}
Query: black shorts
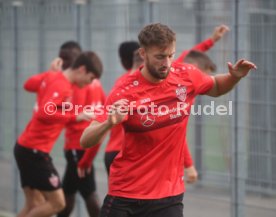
{"type": "Point", "coordinates": [126, 207]}
{"type": "Point", "coordinates": [71, 182]}
{"type": "Point", "coordinates": [36, 169]}
{"type": "Point", "coordinates": [108, 159]}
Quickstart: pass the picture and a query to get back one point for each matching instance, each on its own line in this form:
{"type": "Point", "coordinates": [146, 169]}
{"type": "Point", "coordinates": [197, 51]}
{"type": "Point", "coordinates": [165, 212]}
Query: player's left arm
{"type": "Point", "coordinates": [33, 83]}
{"type": "Point", "coordinates": [191, 174]}
{"type": "Point", "coordinates": [223, 83]}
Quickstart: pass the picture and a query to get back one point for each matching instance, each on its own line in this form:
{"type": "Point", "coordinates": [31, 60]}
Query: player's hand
{"type": "Point", "coordinates": [85, 116]}
{"type": "Point", "coordinates": [241, 68]}
{"type": "Point", "coordinates": [191, 174]}
{"type": "Point", "coordinates": [219, 32]}
{"type": "Point", "coordinates": [82, 172]}
{"type": "Point", "coordinates": [56, 64]}
{"type": "Point", "coordinates": [118, 111]}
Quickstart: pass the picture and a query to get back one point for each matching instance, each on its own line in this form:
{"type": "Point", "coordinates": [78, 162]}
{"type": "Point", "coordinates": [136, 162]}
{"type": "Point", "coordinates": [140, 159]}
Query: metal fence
{"type": "Point", "coordinates": [234, 154]}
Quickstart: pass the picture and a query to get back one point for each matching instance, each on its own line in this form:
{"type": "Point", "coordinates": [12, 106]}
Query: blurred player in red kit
{"type": "Point", "coordinates": [39, 178]}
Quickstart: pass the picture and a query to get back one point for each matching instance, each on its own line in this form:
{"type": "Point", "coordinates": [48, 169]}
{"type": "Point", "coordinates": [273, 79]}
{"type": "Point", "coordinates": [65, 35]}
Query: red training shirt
{"type": "Point", "coordinates": [150, 163]}
{"type": "Point", "coordinates": [117, 133]}
{"type": "Point", "coordinates": [43, 129]}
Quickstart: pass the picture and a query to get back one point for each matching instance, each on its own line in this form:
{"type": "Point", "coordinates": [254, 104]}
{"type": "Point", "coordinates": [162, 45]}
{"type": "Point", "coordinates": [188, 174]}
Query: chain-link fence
{"type": "Point", "coordinates": [235, 154]}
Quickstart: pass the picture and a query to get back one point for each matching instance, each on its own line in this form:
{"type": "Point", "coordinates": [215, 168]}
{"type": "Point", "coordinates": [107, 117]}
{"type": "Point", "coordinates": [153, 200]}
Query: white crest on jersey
{"type": "Point", "coordinates": [181, 93]}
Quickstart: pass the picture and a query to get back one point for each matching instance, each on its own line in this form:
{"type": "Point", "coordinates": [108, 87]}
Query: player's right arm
{"type": "Point", "coordinates": [190, 170]}
{"type": "Point", "coordinates": [33, 83]}
{"type": "Point", "coordinates": [57, 107]}
{"type": "Point", "coordinates": [95, 133]}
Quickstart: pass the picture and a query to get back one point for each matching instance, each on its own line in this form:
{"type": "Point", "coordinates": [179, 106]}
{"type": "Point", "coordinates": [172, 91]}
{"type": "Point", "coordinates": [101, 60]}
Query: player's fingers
{"type": "Point", "coordinates": [59, 62]}
{"type": "Point", "coordinates": [250, 64]}
{"type": "Point", "coordinates": [189, 181]}
{"type": "Point", "coordinates": [122, 108]}
{"type": "Point", "coordinates": [225, 28]}
{"type": "Point", "coordinates": [121, 102]}
{"type": "Point", "coordinates": [239, 62]}
{"type": "Point", "coordinates": [192, 179]}
{"type": "Point", "coordinates": [230, 66]}
{"type": "Point", "coordinates": [113, 120]}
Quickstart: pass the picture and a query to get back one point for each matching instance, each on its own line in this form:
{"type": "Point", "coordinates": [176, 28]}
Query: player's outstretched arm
{"type": "Point", "coordinates": [218, 33]}
{"type": "Point", "coordinates": [95, 133]}
{"type": "Point", "coordinates": [225, 82]}
{"type": "Point", "coordinates": [32, 84]}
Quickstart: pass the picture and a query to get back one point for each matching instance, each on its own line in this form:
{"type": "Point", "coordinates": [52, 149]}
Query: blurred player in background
{"type": "Point", "coordinates": [130, 61]}
{"type": "Point", "coordinates": [88, 97]}
{"type": "Point", "coordinates": [39, 178]}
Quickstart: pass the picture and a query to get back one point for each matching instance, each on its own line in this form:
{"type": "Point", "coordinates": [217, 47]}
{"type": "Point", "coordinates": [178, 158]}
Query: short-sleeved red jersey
{"type": "Point", "coordinates": [150, 163]}
{"type": "Point", "coordinates": [117, 133]}
{"type": "Point", "coordinates": [48, 118]}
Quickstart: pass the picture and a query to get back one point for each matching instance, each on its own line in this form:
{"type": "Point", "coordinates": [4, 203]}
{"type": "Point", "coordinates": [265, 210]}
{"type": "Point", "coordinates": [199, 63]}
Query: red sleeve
{"type": "Point", "coordinates": [202, 46]}
{"type": "Point", "coordinates": [53, 108]}
{"type": "Point", "coordinates": [33, 83]}
{"type": "Point", "coordinates": [102, 114]}
{"type": "Point", "coordinates": [182, 56]}
{"type": "Point", "coordinates": [95, 94]}
{"type": "Point", "coordinates": [188, 161]}
{"type": "Point", "coordinates": [88, 157]}
{"type": "Point", "coordinates": [201, 81]}
{"type": "Point", "coordinates": [103, 96]}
